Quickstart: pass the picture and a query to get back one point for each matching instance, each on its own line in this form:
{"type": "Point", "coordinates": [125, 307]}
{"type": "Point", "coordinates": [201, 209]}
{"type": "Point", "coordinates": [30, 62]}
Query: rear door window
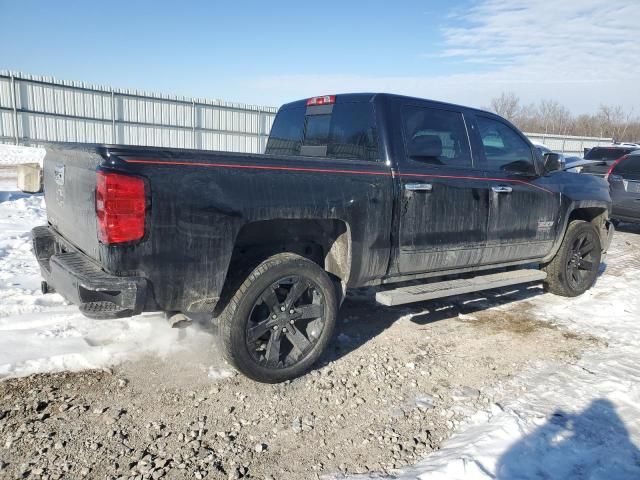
{"type": "Point", "coordinates": [436, 137]}
{"type": "Point", "coordinates": [629, 166]}
{"type": "Point", "coordinates": [341, 130]}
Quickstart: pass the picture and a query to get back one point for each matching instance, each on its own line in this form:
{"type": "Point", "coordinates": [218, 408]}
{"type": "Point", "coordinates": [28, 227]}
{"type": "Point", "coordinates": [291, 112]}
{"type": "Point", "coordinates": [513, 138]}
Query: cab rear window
{"type": "Point", "coordinates": [342, 130]}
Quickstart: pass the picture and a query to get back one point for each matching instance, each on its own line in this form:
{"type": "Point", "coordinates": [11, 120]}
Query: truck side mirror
{"type": "Point", "coordinates": [552, 162]}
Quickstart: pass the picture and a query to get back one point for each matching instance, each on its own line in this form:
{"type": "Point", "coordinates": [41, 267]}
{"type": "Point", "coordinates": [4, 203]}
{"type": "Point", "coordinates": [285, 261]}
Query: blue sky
{"type": "Point", "coordinates": [464, 51]}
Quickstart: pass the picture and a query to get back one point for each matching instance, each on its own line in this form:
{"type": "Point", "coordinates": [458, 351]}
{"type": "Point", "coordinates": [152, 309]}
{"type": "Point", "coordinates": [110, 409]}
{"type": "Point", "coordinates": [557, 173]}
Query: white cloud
{"type": "Point", "coordinates": [582, 53]}
{"type": "Point", "coordinates": [572, 36]}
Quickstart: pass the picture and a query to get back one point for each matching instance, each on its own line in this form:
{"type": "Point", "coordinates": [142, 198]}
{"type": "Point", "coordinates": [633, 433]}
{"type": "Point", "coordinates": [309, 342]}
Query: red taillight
{"type": "Point", "coordinates": [323, 100]}
{"type": "Point", "coordinates": [120, 207]}
{"type": "Point", "coordinates": [614, 165]}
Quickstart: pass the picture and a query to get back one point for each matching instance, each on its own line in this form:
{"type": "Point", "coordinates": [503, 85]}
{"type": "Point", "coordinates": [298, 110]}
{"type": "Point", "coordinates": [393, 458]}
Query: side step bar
{"type": "Point", "coordinates": [447, 288]}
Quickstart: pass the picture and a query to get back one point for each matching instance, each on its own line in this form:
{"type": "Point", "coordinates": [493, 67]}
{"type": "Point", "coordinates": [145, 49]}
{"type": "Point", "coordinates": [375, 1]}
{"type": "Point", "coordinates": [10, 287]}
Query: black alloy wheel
{"type": "Point", "coordinates": [280, 319]}
{"type": "Point", "coordinates": [574, 268]}
{"type": "Point", "coordinates": [285, 323]}
{"type": "Point", "coordinates": [580, 261]}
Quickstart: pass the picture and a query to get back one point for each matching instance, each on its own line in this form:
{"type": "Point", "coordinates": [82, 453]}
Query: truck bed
{"type": "Point", "coordinates": [201, 202]}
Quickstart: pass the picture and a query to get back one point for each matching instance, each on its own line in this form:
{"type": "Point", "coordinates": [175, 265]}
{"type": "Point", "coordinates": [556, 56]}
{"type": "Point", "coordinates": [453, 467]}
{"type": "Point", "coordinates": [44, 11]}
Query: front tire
{"type": "Point", "coordinates": [575, 267]}
{"type": "Point", "coordinates": [280, 320]}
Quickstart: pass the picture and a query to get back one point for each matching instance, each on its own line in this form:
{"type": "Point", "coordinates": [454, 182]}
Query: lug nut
{"type": "Point", "coordinates": [274, 316]}
{"type": "Point", "coordinates": [284, 329]}
{"type": "Point", "coordinates": [291, 322]}
{"type": "Point", "coordinates": [282, 309]}
{"type": "Point", "coordinates": [276, 327]}
{"type": "Point", "coordinates": [292, 311]}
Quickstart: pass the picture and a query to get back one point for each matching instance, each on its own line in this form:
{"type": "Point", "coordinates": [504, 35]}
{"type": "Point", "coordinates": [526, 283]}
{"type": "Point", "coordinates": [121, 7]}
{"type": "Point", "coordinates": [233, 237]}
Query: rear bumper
{"type": "Point", "coordinates": [81, 281]}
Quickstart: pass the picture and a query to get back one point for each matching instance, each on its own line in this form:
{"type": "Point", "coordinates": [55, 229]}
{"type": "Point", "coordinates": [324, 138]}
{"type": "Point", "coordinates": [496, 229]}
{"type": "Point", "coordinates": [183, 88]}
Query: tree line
{"type": "Point", "coordinates": [550, 116]}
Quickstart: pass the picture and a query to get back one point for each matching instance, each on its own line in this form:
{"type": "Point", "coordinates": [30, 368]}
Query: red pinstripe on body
{"type": "Point", "coordinates": [330, 170]}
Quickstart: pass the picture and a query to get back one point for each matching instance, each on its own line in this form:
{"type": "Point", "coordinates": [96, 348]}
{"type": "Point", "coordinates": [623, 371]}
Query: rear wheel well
{"type": "Point", "coordinates": [325, 242]}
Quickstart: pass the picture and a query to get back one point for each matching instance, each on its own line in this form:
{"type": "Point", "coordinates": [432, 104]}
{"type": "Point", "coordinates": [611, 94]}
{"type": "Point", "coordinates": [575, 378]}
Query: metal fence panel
{"type": "Point", "coordinates": [62, 129]}
{"type": "Point", "coordinates": [7, 125]}
{"type": "Point", "coordinates": [35, 110]}
{"type": "Point", "coordinates": [567, 144]}
{"type": "Point", "coordinates": [153, 111]}
{"type": "Point", "coordinates": [59, 100]}
{"type": "Point", "coordinates": [154, 136]}
{"type": "Point", "coordinates": [6, 98]}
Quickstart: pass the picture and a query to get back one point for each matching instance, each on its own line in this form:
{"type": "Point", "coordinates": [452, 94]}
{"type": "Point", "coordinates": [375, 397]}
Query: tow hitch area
{"type": "Point", "coordinates": [178, 320]}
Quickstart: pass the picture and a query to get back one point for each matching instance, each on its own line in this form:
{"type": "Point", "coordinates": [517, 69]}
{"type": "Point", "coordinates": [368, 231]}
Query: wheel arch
{"type": "Point", "coordinates": [588, 211]}
{"type": "Point", "coordinates": [326, 242]}
{"type": "Point", "coordinates": [593, 214]}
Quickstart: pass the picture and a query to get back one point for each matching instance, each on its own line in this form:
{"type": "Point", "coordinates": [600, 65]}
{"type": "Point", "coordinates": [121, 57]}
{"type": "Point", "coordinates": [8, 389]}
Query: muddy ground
{"type": "Point", "coordinates": [394, 385]}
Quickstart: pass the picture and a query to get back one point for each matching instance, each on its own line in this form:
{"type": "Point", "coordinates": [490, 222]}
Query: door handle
{"type": "Point", "coordinates": [418, 187]}
{"type": "Point", "coordinates": [501, 189]}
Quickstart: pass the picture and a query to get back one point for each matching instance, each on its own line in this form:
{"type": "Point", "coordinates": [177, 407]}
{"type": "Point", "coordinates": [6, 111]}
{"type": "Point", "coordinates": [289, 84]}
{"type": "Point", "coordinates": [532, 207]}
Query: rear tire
{"type": "Point", "coordinates": [575, 267]}
{"type": "Point", "coordinates": [280, 320]}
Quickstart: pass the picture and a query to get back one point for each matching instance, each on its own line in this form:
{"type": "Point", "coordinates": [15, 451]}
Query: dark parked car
{"type": "Point", "coordinates": [354, 190]}
{"type": "Point", "coordinates": [604, 157]}
{"type": "Point", "coordinates": [624, 181]}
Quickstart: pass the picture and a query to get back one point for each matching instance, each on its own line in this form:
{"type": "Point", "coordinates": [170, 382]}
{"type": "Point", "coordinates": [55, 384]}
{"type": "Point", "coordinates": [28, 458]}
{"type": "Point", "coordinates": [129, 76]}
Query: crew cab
{"type": "Point", "coordinates": [353, 190]}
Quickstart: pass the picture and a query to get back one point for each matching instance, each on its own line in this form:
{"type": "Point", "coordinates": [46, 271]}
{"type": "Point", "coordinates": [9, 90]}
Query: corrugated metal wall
{"type": "Point", "coordinates": [567, 144]}
{"type": "Point", "coordinates": [35, 110]}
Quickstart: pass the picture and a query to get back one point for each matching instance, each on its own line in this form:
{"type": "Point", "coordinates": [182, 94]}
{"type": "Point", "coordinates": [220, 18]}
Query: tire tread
{"type": "Point", "coordinates": [227, 317]}
{"type": "Point", "coordinates": [556, 282]}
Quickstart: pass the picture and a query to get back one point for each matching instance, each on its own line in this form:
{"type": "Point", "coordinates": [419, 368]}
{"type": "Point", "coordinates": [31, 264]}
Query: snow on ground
{"type": "Point", "coordinates": [578, 420]}
{"type": "Point", "coordinates": [41, 333]}
{"type": "Point", "coordinates": [16, 154]}
{"type": "Point", "coordinates": [564, 421]}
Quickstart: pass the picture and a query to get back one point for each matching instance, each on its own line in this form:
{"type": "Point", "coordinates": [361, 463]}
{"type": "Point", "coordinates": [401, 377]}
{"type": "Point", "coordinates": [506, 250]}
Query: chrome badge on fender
{"type": "Point", "coordinates": [58, 174]}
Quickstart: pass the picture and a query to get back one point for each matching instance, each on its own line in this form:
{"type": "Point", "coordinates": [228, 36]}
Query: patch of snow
{"type": "Point", "coordinates": [217, 373]}
{"type": "Point", "coordinates": [8, 181]}
{"type": "Point", "coordinates": [41, 333]}
{"type": "Point", "coordinates": [16, 154]}
{"type": "Point", "coordinates": [579, 420]}
{"type": "Point", "coordinates": [424, 401]}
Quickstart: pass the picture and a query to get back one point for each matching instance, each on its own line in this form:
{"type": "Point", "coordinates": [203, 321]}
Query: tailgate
{"type": "Point", "coordinates": [69, 190]}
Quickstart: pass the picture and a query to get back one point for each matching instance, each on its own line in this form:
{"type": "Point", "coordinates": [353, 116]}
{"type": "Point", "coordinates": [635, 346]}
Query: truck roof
{"type": "Point", "coordinates": [369, 97]}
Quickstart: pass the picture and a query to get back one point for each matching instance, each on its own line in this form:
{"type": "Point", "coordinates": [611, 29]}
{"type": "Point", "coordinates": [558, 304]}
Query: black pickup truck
{"type": "Point", "coordinates": [353, 190]}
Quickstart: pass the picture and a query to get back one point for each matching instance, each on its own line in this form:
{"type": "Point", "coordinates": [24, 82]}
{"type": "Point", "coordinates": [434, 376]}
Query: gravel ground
{"type": "Point", "coordinates": [395, 384]}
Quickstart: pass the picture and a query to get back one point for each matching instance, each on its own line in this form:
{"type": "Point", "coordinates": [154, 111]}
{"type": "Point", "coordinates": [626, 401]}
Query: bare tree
{"type": "Point", "coordinates": [586, 125]}
{"type": "Point", "coordinates": [507, 105]}
{"type": "Point", "coordinates": [549, 116]}
{"type": "Point", "coordinates": [614, 120]}
{"type": "Point", "coordinates": [555, 117]}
